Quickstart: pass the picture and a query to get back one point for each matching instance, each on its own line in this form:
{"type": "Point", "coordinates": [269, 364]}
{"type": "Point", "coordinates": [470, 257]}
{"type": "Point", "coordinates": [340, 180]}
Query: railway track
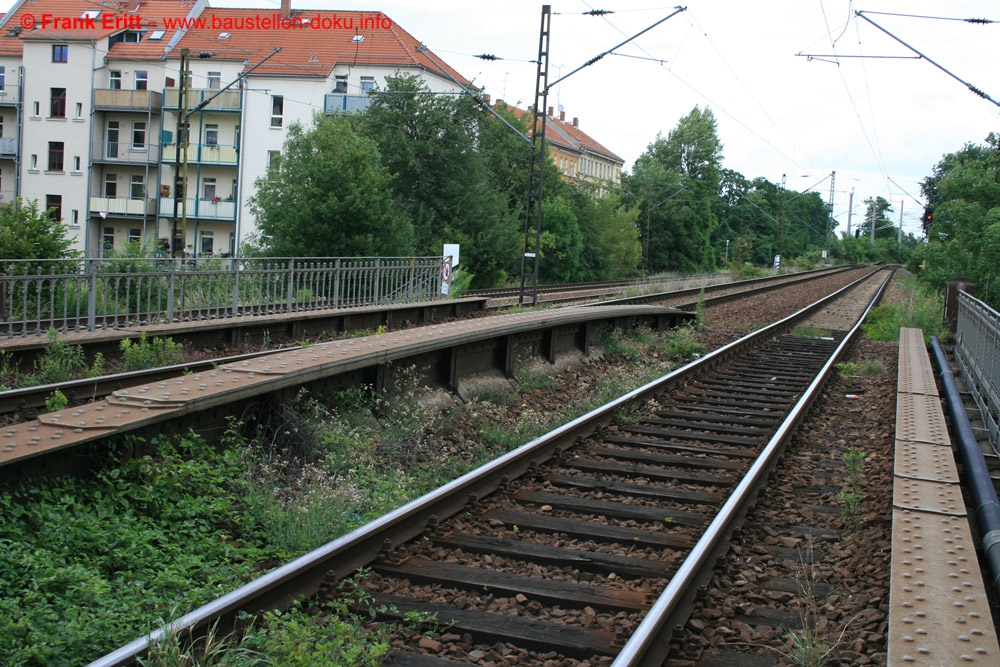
{"type": "Point", "coordinates": [588, 542]}
{"type": "Point", "coordinates": [30, 401]}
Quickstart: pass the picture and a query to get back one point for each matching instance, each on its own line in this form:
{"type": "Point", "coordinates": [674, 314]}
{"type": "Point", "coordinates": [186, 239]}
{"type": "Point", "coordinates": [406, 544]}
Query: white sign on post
{"type": "Point", "coordinates": [777, 261]}
{"type": "Point", "coordinates": [451, 250]}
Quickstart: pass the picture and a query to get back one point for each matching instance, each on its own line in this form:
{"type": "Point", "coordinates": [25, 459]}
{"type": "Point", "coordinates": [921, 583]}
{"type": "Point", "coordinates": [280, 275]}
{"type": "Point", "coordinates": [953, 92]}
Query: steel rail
{"type": "Point", "coordinates": [648, 646]}
{"type": "Point", "coordinates": [342, 556]}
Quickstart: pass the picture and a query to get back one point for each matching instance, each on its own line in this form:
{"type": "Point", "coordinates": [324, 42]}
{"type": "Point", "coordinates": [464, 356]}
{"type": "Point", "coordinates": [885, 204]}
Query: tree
{"type": "Point", "coordinates": [328, 196]}
{"type": "Point", "coordinates": [434, 147]}
{"type": "Point", "coordinates": [680, 225]}
{"type": "Point", "coordinates": [27, 234]}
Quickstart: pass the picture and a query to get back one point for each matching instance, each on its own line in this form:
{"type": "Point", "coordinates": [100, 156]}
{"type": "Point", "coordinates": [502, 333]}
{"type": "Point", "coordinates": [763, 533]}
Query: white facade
{"type": "Point", "coordinates": [95, 135]}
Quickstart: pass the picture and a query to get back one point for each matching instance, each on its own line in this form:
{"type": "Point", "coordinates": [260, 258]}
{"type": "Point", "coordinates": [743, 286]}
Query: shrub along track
{"type": "Point", "coordinates": [683, 492]}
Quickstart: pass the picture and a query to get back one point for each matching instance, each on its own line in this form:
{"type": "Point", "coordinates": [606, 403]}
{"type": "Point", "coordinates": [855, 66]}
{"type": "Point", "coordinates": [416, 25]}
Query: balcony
{"type": "Point", "coordinates": [127, 100]}
{"type": "Point", "coordinates": [337, 103]}
{"type": "Point", "coordinates": [227, 101]}
{"type": "Point", "coordinates": [201, 209]}
{"type": "Point", "coordinates": [122, 152]}
{"type": "Point", "coordinates": [8, 147]}
{"type": "Point", "coordinates": [123, 206]}
{"type": "Point", "coordinates": [221, 155]}
{"type": "Point", "coordinates": [10, 95]}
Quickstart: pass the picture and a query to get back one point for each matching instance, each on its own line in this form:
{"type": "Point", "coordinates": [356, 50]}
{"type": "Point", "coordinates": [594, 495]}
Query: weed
{"type": "Point", "coordinates": [806, 331]}
{"type": "Point", "coordinates": [150, 353]}
{"type": "Point", "coordinates": [699, 310]}
{"type": "Point", "coordinates": [56, 401]}
{"type": "Point", "coordinates": [361, 333]}
{"type": "Point", "coordinates": [921, 309]}
{"type": "Point", "coordinates": [171, 650]}
{"type": "Point", "coordinates": [851, 497]}
{"type": "Point", "coordinates": [60, 361]}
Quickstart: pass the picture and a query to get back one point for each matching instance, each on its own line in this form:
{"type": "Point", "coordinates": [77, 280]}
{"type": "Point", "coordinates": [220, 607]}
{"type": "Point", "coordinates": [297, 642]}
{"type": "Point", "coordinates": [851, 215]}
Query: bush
{"type": "Point", "coordinates": [150, 353]}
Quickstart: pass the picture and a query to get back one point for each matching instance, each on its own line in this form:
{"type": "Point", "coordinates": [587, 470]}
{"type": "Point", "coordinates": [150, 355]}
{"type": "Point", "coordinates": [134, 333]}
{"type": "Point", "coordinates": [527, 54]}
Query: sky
{"type": "Point", "coordinates": [782, 78]}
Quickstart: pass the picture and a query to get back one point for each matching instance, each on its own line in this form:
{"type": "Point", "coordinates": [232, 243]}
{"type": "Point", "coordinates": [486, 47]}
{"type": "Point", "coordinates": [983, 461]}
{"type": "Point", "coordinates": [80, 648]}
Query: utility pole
{"type": "Point", "coordinates": [899, 233]}
{"type": "Point", "coordinates": [180, 160]}
{"type": "Point", "coordinates": [531, 256]}
{"type": "Point", "coordinates": [829, 219]}
{"type": "Point", "coordinates": [850, 212]}
{"type": "Point", "coordinates": [874, 217]}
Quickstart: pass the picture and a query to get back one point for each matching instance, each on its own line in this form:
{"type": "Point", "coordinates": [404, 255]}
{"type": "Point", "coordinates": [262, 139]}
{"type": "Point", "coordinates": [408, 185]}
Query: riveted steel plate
{"type": "Point", "coordinates": [916, 375]}
{"type": "Point", "coordinates": [939, 614]}
{"type": "Point", "coordinates": [927, 496]}
{"type": "Point", "coordinates": [921, 460]}
{"type": "Point", "coordinates": [919, 419]}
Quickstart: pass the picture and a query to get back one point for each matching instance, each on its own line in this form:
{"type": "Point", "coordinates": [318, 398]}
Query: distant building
{"type": "Point", "coordinates": [89, 107]}
{"type": "Point", "coordinates": [577, 155]}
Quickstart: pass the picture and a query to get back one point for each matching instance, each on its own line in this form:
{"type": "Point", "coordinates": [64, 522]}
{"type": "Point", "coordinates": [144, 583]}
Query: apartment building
{"type": "Point", "coordinates": [578, 156]}
{"type": "Point", "coordinates": [90, 108]}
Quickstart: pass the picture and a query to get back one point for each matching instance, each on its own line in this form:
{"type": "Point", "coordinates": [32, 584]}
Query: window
{"type": "Point", "coordinates": [75, 218]}
{"type": "Point", "coordinates": [211, 135]}
{"type": "Point", "coordinates": [107, 238]}
{"type": "Point", "coordinates": [134, 235]}
{"type": "Point", "coordinates": [272, 158]}
{"type": "Point", "coordinates": [156, 35]}
{"type": "Point", "coordinates": [208, 188]}
{"type": "Point", "coordinates": [57, 103]}
{"type": "Point", "coordinates": [79, 111]}
{"type": "Point", "coordinates": [141, 81]}
{"type": "Point", "coordinates": [139, 135]}
{"type": "Point", "coordinates": [37, 110]}
{"type": "Point", "coordinates": [76, 163]}
{"type": "Point", "coordinates": [60, 53]}
{"type": "Point", "coordinates": [341, 86]}
{"type": "Point", "coordinates": [207, 242]}
{"type": "Point", "coordinates": [367, 84]}
{"type": "Point", "coordinates": [215, 79]}
{"type": "Point", "coordinates": [138, 187]}
{"type": "Point", "coordinates": [277, 110]}
{"type": "Point", "coordinates": [91, 14]}
{"type": "Point", "coordinates": [3, 77]}
{"type": "Point", "coordinates": [111, 186]}
{"type": "Point", "coordinates": [115, 79]}
{"type": "Point", "coordinates": [34, 162]}
{"type": "Point", "coordinates": [1, 126]}
{"type": "Point", "coordinates": [56, 155]}
{"type": "Point", "coordinates": [54, 203]}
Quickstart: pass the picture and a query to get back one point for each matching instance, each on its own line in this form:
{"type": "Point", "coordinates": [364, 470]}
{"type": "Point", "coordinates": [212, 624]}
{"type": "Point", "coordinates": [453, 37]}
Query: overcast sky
{"type": "Point", "coordinates": [880, 122]}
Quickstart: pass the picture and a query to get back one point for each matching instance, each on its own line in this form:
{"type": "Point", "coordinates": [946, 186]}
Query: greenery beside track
{"type": "Point", "coordinates": [87, 566]}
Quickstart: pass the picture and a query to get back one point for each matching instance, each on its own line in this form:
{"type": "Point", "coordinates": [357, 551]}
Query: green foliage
{"type": "Point", "coordinates": [172, 650]}
{"type": "Point", "coordinates": [806, 331]}
{"type": "Point", "coordinates": [461, 280]}
{"type": "Point", "coordinates": [329, 196]}
{"type": "Point", "coordinates": [56, 402]}
{"type": "Point", "coordinates": [61, 362]}
{"type": "Point", "coordinates": [86, 563]}
{"type": "Point", "coordinates": [150, 353]}
{"type": "Point", "coordinates": [922, 309]}
{"type": "Point", "coordinates": [562, 243]}
{"type": "Point", "coordinates": [26, 233]}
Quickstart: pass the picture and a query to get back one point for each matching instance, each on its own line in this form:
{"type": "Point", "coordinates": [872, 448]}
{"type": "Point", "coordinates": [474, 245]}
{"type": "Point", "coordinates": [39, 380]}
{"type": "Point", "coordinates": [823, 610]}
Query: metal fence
{"type": "Point", "coordinates": [977, 350]}
{"type": "Point", "coordinates": [92, 294]}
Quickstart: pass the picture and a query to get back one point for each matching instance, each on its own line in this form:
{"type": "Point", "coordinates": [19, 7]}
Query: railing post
{"type": "Point", "coordinates": [413, 275]}
{"type": "Point", "coordinates": [236, 288]}
{"type": "Point", "coordinates": [171, 286]}
{"type": "Point", "coordinates": [336, 284]}
{"type": "Point", "coordinates": [291, 284]}
{"type": "Point", "coordinates": [91, 269]}
{"type": "Point", "coordinates": [375, 291]}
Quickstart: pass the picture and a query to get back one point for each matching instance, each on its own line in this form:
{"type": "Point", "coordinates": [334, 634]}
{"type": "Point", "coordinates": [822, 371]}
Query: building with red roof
{"type": "Point", "coordinates": [90, 107]}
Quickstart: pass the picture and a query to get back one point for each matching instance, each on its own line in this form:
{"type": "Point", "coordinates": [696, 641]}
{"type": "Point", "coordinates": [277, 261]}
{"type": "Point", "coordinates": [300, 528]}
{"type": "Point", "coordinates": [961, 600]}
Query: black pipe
{"type": "Point", "coordinates": [982, 493]}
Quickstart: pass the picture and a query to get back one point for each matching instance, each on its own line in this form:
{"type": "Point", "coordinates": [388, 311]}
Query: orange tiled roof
{"type": "Point", "coordinates": [583, 140]}
{"type": "Point", "coordinates": [127, 12]}
{"type": "Point", "coordinates": [555, 139]}
{"type": "Point", "coordinates": [307, 51]}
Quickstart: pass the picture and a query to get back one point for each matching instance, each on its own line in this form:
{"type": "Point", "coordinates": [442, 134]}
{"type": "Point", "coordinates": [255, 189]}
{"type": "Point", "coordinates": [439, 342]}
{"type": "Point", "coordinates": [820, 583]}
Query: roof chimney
{"type": "Point", "coordinates": [286, 8]}
{"type": "Point", "coordinates": [551, 109]}
{"type": "Point", "coordinates": [576, 122]}
{"type": "Point", "coordinates": [486, 100]}
{"type": "Point", "coordinates": [562, 116]}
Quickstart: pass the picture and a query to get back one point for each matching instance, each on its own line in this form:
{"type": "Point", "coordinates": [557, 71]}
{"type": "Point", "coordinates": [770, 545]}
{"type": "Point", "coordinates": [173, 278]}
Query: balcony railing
{"type": "Point", "coordinates": [227, 101]}
{"type": "Point", "coordinates": [203, 209]}
{"type": "Point", "coordinates": [123, 206]}
{"type": "Point", "coordinates": [119, 152]}
{"type": "Point", "coordinates": [8, 146]}
{"type": "Point", "coordinates": [9, 95]}
{"type": "Point", "coordinates": [218, 154]}
{"type": "Point", "coordinates": [127, 100]}
{"type": "Point", "coordinates": [338, 103]}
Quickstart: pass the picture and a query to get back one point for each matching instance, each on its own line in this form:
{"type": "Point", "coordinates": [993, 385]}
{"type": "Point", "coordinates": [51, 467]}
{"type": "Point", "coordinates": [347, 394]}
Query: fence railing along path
{"type": "Point", "coordinates": [93, 294]}
{"type": "Point", "coordinates": [977, 349]}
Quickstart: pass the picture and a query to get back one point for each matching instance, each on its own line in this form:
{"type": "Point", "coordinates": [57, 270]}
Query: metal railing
{"type": "Point", "coordinates": [117, 293]}
{"type": "Point", "coordinates": [977, 350]}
